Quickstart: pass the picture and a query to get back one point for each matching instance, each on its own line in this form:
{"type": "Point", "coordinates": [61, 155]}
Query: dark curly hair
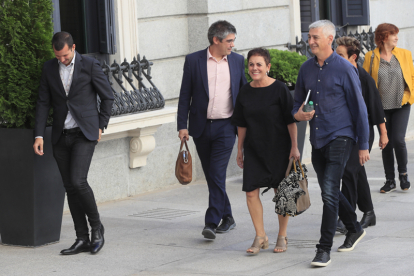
{"type": "Point", "coordinates": [262, 52]}
{"type": "Point", "coordinates": [383, 31]}
{"type": "Point", "coordinates": [352, 45]}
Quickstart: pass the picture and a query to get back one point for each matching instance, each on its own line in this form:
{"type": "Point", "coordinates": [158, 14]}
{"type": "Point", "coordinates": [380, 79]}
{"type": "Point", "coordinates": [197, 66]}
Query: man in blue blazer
{"type": "Point", "coordinates": [211, 81]}
{"type": "Point", "coordinates": [70, 84]}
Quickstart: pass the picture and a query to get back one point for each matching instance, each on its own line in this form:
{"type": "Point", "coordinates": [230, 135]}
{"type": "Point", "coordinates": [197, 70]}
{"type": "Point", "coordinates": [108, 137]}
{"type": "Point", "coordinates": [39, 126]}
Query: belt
{"type": "Point", "coordinates": [71, 130]}
{"type": "Point", "coordinates": [216, 120]}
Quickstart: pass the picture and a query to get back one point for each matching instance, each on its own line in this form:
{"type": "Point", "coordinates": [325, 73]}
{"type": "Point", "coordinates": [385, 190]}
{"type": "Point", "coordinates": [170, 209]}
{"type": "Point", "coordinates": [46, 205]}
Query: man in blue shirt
{"type": "Point", "coordinates": [338, 121]}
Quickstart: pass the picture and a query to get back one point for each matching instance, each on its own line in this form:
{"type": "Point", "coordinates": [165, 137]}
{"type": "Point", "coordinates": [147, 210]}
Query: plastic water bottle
{"type": "Point", "coordinates": [308, 107]}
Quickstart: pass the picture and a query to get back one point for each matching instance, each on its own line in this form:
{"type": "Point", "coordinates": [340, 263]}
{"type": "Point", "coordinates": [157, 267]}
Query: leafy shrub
{"type": "Point", "coordinates": [285, 66]}
{"type": "Point", "coordinates": [26, 32]}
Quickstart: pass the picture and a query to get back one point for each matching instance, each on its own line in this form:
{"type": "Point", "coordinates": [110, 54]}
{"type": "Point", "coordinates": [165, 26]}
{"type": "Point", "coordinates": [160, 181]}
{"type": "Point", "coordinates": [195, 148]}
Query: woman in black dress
{"type": "Point", "coordinates": [267, 139]}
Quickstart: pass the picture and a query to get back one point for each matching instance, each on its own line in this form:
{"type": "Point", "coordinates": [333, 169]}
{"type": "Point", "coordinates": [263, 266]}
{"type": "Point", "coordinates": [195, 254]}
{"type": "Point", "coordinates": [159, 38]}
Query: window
{"type": "Point", "coordinates": [90, 22]}
{"type": "Point", "coordinates": [340, 12]}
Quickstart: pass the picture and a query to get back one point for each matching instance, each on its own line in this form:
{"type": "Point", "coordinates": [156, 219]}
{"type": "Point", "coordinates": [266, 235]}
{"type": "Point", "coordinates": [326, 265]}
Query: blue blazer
{"type": "Point", "coordinates": [194, 93]}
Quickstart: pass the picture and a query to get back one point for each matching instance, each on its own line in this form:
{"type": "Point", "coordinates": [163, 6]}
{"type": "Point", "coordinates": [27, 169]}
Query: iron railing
{"type": "Point", "coordinates": [365, 38]}
{"type": "Point", "coordinates": [138, 99]}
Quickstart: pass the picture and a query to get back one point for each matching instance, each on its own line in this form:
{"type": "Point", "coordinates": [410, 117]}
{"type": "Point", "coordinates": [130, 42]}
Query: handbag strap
{"type": "Point", "coordinates": [184, 142]}
{"type": "Point", "coordinates": [301, 169]}
{"type": "Point", "coordinates": [294, 166]}
{"type": "Point", "coordinates": [289, 168]}
{"type": "Point", "coordinates": [370, 66]}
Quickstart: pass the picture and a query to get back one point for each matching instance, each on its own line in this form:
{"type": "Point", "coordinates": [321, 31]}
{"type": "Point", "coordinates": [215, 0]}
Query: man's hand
{"type": "Point", "coordinates": [100, 135]}
{"type": "Point", "coordinates": [363, 156]}
{"type": "Point", "coordinates": [383, 141]}
{"type": "Point", "coordinates": [304, 116]}
{"type": "Point", "coordinates": [38, 146]}
{"type": "Point", "coordinates": [183, 133]}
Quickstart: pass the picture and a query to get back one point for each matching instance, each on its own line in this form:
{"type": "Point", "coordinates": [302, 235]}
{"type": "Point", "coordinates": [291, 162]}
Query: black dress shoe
{"type": "Point", "coordinates": [351, 241]}
{"type": "Point", "coordinates": [78, 247]}
{"type": "Point", "coordinates": [322, 258]}
{"type": "Point", "coordinates": [97, 240]}
{"type": "Point", "coordinates": [368, 219]}
{"type": "Point", "coordinates": [340, 227]}
{"type": "Point", "coordinates": [209, 232]}
{"type": "Point", "coordinates": [226, 225]}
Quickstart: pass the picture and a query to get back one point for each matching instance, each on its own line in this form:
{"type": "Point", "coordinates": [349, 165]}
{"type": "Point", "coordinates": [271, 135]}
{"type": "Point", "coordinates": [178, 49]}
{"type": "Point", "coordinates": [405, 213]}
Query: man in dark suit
{"type": "Point", "coordinates": [70, 84]}
{"type": "Point", "coordinates": [211, 81]}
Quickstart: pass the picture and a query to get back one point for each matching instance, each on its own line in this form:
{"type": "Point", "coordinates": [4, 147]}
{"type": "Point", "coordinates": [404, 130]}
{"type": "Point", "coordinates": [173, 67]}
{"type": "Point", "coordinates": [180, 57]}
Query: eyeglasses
{"type": "Point", "coordinates": [230, 41]}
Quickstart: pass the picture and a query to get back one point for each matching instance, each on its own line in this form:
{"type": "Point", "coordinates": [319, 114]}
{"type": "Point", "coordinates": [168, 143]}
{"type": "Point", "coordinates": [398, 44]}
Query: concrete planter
{"type": "Point", "coordinates": [31, 190]}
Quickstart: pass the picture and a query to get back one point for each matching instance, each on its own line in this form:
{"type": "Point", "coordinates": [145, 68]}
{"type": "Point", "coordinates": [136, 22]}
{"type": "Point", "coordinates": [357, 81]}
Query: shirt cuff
{"type": "Point", "coordinates": [363, 146]}
{"type": "Point", "coordinates": [39, 137]}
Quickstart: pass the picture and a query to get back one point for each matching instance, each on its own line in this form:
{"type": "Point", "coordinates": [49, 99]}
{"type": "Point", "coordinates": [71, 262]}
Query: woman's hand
{"type": "Point", "coordinates": [239, 158]}
{"type": "Point", "coordinates": [294, 152]}
{"type": "Point", "coordinates": [383, 141]}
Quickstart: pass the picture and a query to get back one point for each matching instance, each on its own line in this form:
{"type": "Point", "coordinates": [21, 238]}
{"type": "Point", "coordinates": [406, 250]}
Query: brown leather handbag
{"type": "Point", "coordinates": [184, 165]}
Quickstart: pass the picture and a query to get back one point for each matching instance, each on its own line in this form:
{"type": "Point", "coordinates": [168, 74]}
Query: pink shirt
{"type": "Point", "coordinates": [220, 105]}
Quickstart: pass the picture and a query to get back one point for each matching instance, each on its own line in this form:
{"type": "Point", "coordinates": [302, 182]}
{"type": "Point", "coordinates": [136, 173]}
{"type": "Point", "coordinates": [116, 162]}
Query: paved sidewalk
{"type": "Point", "coordinates": [159, 233]}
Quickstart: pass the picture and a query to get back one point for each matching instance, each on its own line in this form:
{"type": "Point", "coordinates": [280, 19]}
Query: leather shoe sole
{"type": "Point", "coordinates": [64, 252]}
{"type": "Point", "coordinates": [320, 264]}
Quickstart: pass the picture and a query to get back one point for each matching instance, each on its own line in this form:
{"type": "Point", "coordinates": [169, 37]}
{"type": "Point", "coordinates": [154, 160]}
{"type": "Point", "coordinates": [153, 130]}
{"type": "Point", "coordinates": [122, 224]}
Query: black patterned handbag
{"type": "Point", "coordinates": [292, 196]}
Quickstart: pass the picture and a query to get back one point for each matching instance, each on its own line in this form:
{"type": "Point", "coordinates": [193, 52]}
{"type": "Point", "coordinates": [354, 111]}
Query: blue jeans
{"type": "Point", "coordinates": [329, 164]}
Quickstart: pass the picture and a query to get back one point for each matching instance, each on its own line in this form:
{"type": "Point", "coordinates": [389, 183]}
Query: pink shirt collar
{"type": "Point", "coordinates": [209, 56]}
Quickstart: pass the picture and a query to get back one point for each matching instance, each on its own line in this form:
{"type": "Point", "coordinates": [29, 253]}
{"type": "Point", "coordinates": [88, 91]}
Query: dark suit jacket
{"type": "Point", "coordinates": [194, 93]}
{"type": "Point", "coordinates": [87, 82]}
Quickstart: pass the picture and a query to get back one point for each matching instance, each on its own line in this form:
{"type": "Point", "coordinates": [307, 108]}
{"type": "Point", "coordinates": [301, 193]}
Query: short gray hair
{"type": "Point", "coordinates": [328, 28]}
{"type": "Point", "coordinates": [220, 29]}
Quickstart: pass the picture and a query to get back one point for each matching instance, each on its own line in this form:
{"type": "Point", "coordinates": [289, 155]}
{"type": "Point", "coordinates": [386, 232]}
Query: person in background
{"type": "Point", "coordinates": [393, 71]}
{"type": "Point", "coordinates": [355, 186]}
{"type": "Point", "coordinates": [267, 139]}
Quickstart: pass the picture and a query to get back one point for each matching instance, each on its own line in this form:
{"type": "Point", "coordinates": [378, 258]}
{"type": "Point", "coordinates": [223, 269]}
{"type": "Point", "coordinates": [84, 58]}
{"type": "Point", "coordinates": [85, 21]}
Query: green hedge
{"type": "Point", "coordinates": [285, 66]}
{"type": "Point", "coordinates": [26, 32]}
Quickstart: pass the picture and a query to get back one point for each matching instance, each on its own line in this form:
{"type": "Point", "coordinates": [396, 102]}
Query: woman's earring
{"type": "Point", "coordinates": [267, 73]}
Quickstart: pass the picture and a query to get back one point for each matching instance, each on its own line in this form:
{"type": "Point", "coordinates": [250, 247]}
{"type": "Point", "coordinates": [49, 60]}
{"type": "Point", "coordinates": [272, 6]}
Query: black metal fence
{"type": "Point", "coordinates": [138, 99]}
{"type": "Point", "coordinates": [365, 38]}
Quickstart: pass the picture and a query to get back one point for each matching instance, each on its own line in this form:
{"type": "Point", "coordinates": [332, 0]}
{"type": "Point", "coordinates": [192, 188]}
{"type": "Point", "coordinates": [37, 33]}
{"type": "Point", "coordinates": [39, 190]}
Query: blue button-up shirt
{"type": "Point", "coordinates": [336, 94]}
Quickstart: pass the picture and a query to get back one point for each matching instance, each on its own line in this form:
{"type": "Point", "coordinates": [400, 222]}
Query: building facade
{"type": "Point", "coordinates": [139, 156]}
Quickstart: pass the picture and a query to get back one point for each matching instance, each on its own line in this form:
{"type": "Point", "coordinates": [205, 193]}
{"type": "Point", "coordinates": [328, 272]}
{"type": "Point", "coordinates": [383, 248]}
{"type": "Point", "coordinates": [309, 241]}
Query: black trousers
{"type": "Point", "coordinates": [397, 121]}
{"type": "Point", "coordinates": [73, 154]}
{"type": "Point", "coordinates": [355, 186]}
